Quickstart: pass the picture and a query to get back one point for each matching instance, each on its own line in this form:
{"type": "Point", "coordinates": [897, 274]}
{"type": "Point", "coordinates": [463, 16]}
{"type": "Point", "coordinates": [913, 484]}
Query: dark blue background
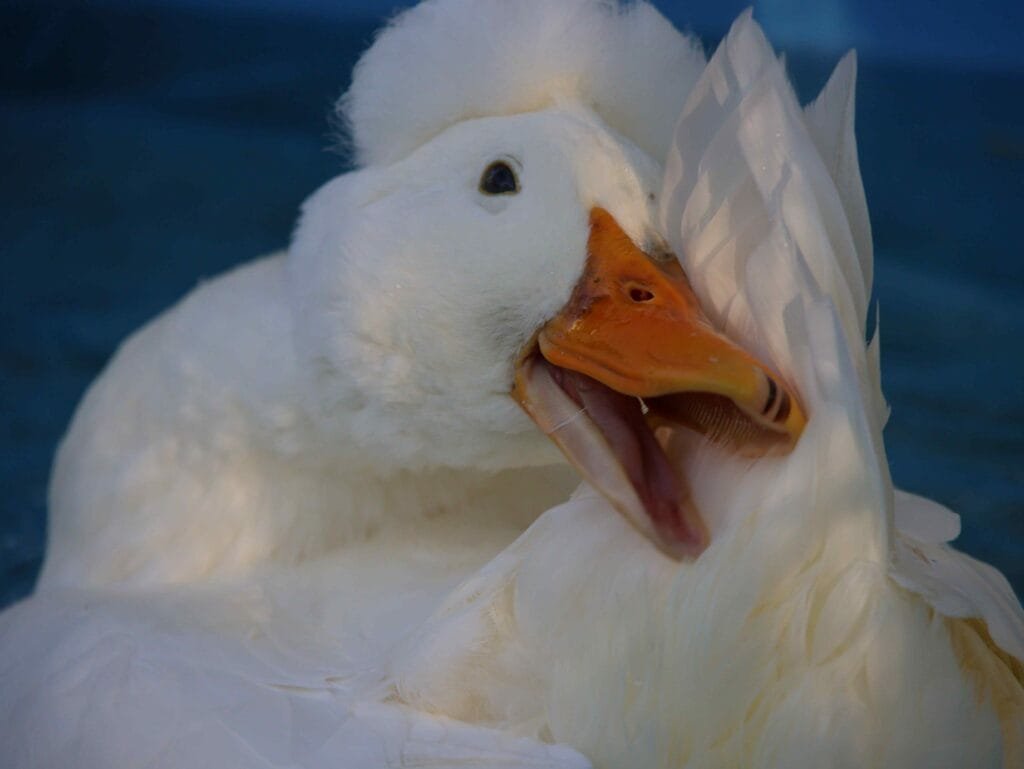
{"type": "Point", "coordinates": [145, 145]}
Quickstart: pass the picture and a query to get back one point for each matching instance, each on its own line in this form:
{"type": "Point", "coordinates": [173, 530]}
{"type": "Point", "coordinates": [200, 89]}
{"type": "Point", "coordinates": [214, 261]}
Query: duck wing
{"type": "Point", "coordinates": [747, 166]}
{"type": "Point", "coordinates": [249, 676]}
{"type": "Point", "coordinates": [953, 583]}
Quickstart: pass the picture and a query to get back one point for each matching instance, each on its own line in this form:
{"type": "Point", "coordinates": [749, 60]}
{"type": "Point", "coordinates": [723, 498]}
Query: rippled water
{"type": "Point", "coordinates": [143, 152]}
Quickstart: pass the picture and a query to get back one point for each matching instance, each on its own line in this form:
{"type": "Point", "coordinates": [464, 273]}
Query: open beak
{"type": "Point", "coordinates": [631, 359]}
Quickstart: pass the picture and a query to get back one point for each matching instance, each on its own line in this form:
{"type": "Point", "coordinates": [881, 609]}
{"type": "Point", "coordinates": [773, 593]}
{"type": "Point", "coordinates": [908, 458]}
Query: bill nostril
{"type": "Point", "coordinates": [640, 295]}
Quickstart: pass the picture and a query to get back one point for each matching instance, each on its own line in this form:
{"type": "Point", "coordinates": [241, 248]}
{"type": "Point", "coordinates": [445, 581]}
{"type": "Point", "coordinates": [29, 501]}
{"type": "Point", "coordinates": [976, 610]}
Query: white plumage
{"type": "Point", "coordinates": [441, 63]}
{"type": "Point", "coordinates": [310, 565]}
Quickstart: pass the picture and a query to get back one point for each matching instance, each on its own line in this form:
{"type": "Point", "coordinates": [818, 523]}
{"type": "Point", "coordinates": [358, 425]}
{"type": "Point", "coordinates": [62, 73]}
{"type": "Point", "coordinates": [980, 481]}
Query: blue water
{"type": "Point", "coordinates": [143, 150]}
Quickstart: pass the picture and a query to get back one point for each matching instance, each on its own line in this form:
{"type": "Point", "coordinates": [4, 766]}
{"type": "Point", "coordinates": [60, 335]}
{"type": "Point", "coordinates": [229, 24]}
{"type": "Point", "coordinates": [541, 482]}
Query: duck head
{"type": "Point", "coordinates": [507, 276]}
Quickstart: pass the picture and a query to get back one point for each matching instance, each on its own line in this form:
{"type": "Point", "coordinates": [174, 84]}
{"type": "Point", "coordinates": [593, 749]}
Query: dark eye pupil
{"type": "Point", "coordinates": [498, 179]}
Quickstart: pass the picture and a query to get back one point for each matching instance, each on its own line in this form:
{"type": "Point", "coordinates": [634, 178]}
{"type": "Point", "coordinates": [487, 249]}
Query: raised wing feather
{"type": "Point", "coordinates": [830, 121]}
{"type": "Point", "coordinates": [765, 205]}
{"type": "Point", "coordinates": [744, 170]}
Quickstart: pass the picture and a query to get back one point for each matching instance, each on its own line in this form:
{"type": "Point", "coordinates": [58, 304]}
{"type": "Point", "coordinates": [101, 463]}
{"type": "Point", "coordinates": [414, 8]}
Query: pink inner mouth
{"type": "Point", "coordinates": [628, 449]}
{"type": "Point", "coordinates": [620, 420]}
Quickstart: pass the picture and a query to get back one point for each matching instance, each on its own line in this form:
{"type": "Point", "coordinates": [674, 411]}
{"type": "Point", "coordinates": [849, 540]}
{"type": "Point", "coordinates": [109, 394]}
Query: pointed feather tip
{"type": "Point", "coordinates": [746, 49]}
{"type": "Point", "coordinates": [744, 24]}
{"type": "Point", "coordinates": [840, 87]}
{"type": "Point", "coordinates": [436, 64]}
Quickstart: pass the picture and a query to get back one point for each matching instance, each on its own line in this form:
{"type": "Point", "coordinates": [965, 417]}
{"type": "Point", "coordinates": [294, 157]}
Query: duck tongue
{"type": "Point", "coordinates": [620, 420]}
{"type": "Point", "coordinates": [605, 435]}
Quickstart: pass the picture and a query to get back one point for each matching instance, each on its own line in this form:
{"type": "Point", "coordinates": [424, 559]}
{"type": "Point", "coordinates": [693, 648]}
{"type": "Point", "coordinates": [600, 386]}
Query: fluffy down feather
{"type": "Point", "coordinates": [443, 62]}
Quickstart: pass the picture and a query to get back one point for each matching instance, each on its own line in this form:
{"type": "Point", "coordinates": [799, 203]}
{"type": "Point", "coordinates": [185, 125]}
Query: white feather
{"type": "Point", "coordinates": [442, 62]}
{"type": "Point", "coordinates": [276, 672]}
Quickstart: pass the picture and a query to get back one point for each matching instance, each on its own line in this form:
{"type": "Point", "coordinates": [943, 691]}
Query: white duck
{"type": "Point", "coordinates": [384, 437]}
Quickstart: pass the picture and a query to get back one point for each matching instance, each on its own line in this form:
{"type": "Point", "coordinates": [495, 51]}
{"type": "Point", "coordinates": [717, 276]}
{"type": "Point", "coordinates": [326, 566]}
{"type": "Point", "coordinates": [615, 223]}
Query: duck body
{"type": "Point", "coordinates": [213, 389]}
{"type": "Point", "coordinates": [152, 408]}
{"type": "Point", "coordinates": [300, 522]}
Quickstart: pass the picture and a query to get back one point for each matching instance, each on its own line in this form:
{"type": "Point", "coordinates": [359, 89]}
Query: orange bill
{"type": "Point", "coordinates": [629, 360]}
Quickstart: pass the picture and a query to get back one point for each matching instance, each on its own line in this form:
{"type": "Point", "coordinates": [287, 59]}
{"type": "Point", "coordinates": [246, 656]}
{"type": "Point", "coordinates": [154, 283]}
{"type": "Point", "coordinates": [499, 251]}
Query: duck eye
{"type": "Point", "coordinates": [499, 179]}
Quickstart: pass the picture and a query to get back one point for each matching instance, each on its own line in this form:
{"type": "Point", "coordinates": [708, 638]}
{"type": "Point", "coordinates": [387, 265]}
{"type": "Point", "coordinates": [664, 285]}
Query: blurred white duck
{"type": "Point", "coordinates": [351, 400]}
